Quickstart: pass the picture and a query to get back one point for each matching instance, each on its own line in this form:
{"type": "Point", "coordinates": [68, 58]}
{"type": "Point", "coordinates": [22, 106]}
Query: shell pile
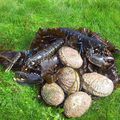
{"type": "Point", "coordinates": [71, 67]}
{"type": "Point", "coordinates": [68, 85]}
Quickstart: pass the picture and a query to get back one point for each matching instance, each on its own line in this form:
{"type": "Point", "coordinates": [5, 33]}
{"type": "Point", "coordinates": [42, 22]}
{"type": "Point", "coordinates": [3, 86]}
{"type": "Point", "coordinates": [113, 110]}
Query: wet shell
{"type": "Point", "coordinates": [52, 94]}
{"type": "Point", "coordinates": [77, 104]}
{"type": "Point", "coordinates": [97, 84]}
{"type": "Point", "coordinates": [68, 79]}
{"type": "Point", "coordinates": [70, 57]}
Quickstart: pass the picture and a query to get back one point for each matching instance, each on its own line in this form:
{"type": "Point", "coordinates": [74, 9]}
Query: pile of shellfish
{"type": "Point", "coordinates": [69, 84]}
{"type": "Point", "coordinates": [71, 66]}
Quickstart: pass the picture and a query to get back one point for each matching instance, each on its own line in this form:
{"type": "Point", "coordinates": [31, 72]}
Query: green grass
{"type": "Point", "coordinates": [20, 19]}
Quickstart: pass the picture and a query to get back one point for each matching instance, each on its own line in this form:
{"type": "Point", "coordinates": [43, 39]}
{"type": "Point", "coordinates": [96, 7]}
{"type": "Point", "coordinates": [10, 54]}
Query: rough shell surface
{"type": "Point", "coordinates": [68, 79]}
{"type": "Point", "coordinates": [70, 57]}
{"type": "Point", "coordinates": [77, 104]}
{"type": "Point", "coordinates": [97, 84]}
{"type": "Point", "coordinates": [52, 94]}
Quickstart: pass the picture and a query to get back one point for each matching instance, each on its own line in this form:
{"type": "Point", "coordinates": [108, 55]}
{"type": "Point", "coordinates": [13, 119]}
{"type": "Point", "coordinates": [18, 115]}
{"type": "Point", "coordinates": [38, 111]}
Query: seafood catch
{"type": "Point", "coordinates": [97, 54]}
{"type": "Point", "coordinates": [71, 66]}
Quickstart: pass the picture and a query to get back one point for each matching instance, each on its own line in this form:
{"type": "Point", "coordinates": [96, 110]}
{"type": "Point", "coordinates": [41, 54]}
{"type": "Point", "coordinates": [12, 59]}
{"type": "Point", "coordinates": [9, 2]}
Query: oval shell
{"type": "Point", "coordinates": [97, 84]}
{"type": "Point", "coordinates": [77, 104]}
{"type": "Point", "coordinates": [52, 94]}
{"type": "Point", "coordinates": [70, 57]}
{"type": "Point", "coordinates": [68, 79]}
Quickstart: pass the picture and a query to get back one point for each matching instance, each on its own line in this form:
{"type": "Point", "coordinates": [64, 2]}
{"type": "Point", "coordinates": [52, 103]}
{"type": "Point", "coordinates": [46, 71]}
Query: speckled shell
{"type": "Point", "coordinates": [97, 84]}
{"type": "Point", "coordinates": [68, 79]}
{"type": "Point", "coordinates": [52, 94]}
{"type": "Point", "coordinates": [77, 104]}
{"type": "Point", "coordinates": [70, 57]}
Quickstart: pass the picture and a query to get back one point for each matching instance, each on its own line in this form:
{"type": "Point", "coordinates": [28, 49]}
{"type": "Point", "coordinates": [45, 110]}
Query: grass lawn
{"type": "Point", "coordinates": [20, 19]}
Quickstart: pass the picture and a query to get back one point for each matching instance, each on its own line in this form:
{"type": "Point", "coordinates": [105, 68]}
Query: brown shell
{"type": "Point", "coordinates": [97, 84]}
{"type": "Point", "coordinates": [52, 94]}
{"type": "Point", "coordinates": [68, 79]}
{"type": "Point", "coordinates": [77, 104]}
{"type": "Point", "coordinates": [70, 57]}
